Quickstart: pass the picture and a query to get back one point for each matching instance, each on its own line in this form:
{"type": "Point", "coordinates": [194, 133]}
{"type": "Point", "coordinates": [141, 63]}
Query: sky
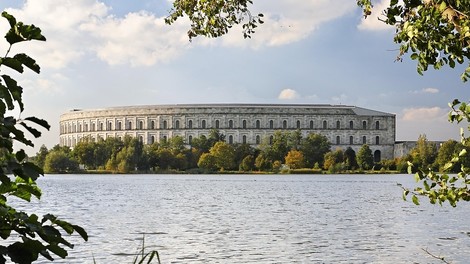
{"type": "Point", "coordinates": [117, 53]}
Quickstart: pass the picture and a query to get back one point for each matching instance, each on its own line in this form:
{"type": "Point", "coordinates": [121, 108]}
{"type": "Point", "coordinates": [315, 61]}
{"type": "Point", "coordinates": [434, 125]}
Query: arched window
{"type": "Point", "coordinates": [364, 140]}
{"type": "Point", "coordinates": [271, 124]}
{"type": "Point", "coordinates": [165, 139]}
{"type": "Point", "coordinates": [190, 124]}
{"type": "Point", "coordinates": [271, 138]}
{"type": "Point", "coordinates": [110, 126]}
{"type": "Point", "coordinates": [325, 124]}
{"type": "Point", "coordinates": [230, 124]}
{"type": "Point", "coordinates": [244, 139]}
{"type": "Point", "coordinates": [141, 125]}
{"type": "Point", "coordinates": [311, 124]}
{"type": "Point", "coordinates": [141, 138]}
{"type": "Point", "coordinates": [129, 126]}
{"type": "Point", "coordinates": [244, 123]}
{"type": "Point", "coordinates": [257, 139]}
{"type": "Point", "coordinates": [284, 124]}
{"type": "Point", "coordinates": [79, 127]}
{"type": "Point", "coordinates": [377, 125]}
{"type": "Point", "coordinates": [203, 124]}
{"type": "Point", "coordinates": [338, 124]}
{"type": "Point", "coordinates": [230, 139]}
{"type": "Point", "coordinates": [119, 125]}
{"type": "Point", "coordinates": [364, 124]}
{"type": "Point", "coordinates": [377, 140]}
{"type": "Point", "coordinates": [165, 124]}
{"type": "Point", "coordinates": [258, 124]}
{"type": "Point", "coordinates": [190, 140]}
{"type": "Point", "coordinates": [86, 127]}
{"type": "Point", "coordinates": [152, 125]}
{"type": "Point", "coordinates": [351, 124]}
{"type": "Point", "coordinates": [298, 124]}
{"type": "Point", "coordinates": [152, 139]}
{"type": "Point", "coordinates": [93, 127]}
{"type": "Point", "coordinates": [217, 124]}
{"type": "Point", "coordinates": [377, 156]}
{"type": "Point", "coordinates": [338, 140]}
{"type": "Point", "coordinates": [177, 124]}
{"type": "Point", "coordinates": [101, 126]}
{"type": "Point", "coordinates": [351, 140]}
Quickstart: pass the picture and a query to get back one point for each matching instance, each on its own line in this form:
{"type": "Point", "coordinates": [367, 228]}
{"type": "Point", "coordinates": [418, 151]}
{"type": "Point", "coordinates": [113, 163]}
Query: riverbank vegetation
{"type": "Point", "coordinates": [284, 152]}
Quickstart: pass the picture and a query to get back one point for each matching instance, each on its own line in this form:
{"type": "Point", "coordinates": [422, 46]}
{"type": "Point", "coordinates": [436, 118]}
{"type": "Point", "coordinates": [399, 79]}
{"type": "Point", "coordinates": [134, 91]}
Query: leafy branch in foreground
{"type": "Point", "coordinates": [29, 235]}
{"type": "Point", "coordinates": [214, 18]}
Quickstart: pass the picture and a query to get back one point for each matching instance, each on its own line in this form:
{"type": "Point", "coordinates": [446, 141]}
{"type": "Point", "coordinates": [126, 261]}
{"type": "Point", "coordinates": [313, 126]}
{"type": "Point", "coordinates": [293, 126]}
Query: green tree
{"type": "Point", "coordinates": [207, 161]}
{"type": "Point", "coordinates": [447, 152]}
{"type": "Point", "coordinates": [84, 153]}
{"type": "Point", "coordinates": [333, 159]}
{"type": "Point", "coordinates": [247, 164]}
{"type": "Point", "coordinates": [365, 159]}
{"type": "Point", "coordinates": [314, 147]}
{"type": "Point", "coordinates": [57, 161]}
{"type": "Point", "coordinates": [224, 155]}
{"type": "Point", "coordinates": [295, 159]}
{"type": "Point", "coordinates": [26, 236]}
{"type": "Point", "coordinates": [40, 157]}
{"type": "Point", "coordinates": [424, 153]}
{"type": "Point", "coordinates": [350, 159]}
{"type": "Point", "coordinates": [262, 163]}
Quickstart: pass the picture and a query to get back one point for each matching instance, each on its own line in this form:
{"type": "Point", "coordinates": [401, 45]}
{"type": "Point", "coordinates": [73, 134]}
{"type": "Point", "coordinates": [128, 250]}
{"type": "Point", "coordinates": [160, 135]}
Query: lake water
{"type": "Point", "coordinates": [254, 219]}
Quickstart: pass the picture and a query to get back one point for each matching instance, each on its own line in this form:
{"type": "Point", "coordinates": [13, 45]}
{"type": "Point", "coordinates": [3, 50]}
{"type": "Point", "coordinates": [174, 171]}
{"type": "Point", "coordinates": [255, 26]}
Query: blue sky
{"type": "Point", "coordinates": [117, 53]}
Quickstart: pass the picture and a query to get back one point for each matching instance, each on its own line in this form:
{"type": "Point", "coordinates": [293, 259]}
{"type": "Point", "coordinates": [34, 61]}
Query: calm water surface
{"type": "Point", "coordinates": [254, 219]}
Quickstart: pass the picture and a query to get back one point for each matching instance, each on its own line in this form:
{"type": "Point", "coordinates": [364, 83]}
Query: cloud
{"type": "Point", "coordinates": [420, 114]}
{"type": "Point", "coordinates": [425, 91]}
{"type": "Point", "coordinates": [341, 98]}
{"type": "Point", "coordinates": [288, 94]}
{"type": "Point", "coordinates": [372, 22]}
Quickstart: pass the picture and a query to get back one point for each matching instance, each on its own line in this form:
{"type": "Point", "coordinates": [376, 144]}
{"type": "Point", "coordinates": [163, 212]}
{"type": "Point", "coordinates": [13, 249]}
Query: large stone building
{"type": "Point", "coordinates": [344, 126]}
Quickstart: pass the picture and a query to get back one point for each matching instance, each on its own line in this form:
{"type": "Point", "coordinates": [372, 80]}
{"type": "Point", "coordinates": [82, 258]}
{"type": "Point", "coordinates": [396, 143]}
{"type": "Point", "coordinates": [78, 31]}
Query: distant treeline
{"type": "Point", "coordinates": [284, 152]}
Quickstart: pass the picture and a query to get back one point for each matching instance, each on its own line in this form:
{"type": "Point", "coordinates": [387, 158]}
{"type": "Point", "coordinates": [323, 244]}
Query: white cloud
{"type": "Point", "coordinates": [288, 21]}
{"type": "Point", "coordinates": [288, 94]}
{"type": "Point", "coordinates": [372, 22]}
{"type": "Point", "coordinates": [425, 91]}
{"type": "Point", "coordinates": [420, 114]}
{"type": "Point", "coordinates": [340, 99]}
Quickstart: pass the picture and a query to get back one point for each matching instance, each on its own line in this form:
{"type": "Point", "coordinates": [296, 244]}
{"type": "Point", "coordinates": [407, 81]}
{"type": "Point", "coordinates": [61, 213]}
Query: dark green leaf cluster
{"type": "Point", "coordinates": [214, 18]}
{"type": "Point", "coordinates": [434, 32]}
{"type": "Point", "coordinates": [30, 235]}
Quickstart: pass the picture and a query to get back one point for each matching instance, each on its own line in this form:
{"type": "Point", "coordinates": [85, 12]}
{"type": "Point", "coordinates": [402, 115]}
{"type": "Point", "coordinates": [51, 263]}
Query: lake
{"type": "Point", "coordinates": [254, 219]}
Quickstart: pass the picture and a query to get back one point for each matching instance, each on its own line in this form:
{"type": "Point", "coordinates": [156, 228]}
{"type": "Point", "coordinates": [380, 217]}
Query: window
{"type": "Point", "coordinates": [271, 140]}
{"type": "Point", "coordinates": [284, 124]}
{"type": "Point", "coordinates": [257, 139]}
{"type": "Point", "coordinates": [311, 124]}
{"type": "Point", "coordinates": [258, 124]}
{"type": "Point", "coordinates": [190, 140]}
{"type": "Point", "coordinates": [165, 139]}
{"type": "Point", "coordinates": [244, 139]}
{"type": "Point", "coordinates": [230, 139]}
{"type": "Point", "coordinates": [338, 140]}
{"type": "Point", "coordinates": [338, 124]}
{"type": "Point", "coordinates": [165, 124]}
{"type": "Point", "coordinates": [364, 124]}
{"type": "Point", "coordinates": [152, 139]}
{"type": "Point", "coordinates": [110, 126]}
{"type": "Point", "coordinates": [177, 124]}
{"type": "Point", "coordinates": [298, 124]}
{"type": "Point", "coordinates": [377, 155]}
{"type": "Point", "coordinates": [377, 140]}
{"type": "Point", "coordinates": [351, 140]}
{"type": "Point", "coordinates": [152, 125]}
{"type": "Point", "coordinates": [129, 126]}
{"type": "Point", "coordinates": [364, 140]}
{"type": "Point", "coordinates": [119, 125]}
{"type": "Point", "coordinates": [203, 124]}
{"type": "Point", "coordinates": [217, 124]}
{"type": "Point", "coordinates": [230, 124]}
{"type": "Point", "coordinates": [190, 124]}
{"type": "Point", "coordinates": [93, 127]}
{"type": "Point", "coordinates": [351, 124]}
{"type": "Point", "coordinates": [79, 127]}
{"type": "Point", "coordinates": [141, 138]}
{"type": "Point", "coordinates": [377, 125]}
{"type": "Point", "coordinates": [141, 125]}
{"type": "Point", "coordinates": [101, 126]}
{"type": "Point", "coordinates": [325, 124]}
{"type": "Point", "coordinates": [271, 124]}
{"type": "Point", "coordinates": [244, 123]}
{"type": "Point", "coordinates": [86, 128]}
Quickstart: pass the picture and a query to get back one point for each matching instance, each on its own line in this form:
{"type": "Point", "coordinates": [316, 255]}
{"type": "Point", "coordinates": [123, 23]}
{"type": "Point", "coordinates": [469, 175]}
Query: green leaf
{"type": "Point", "coordinates": [13, 64]}
{"type": "Point", "coordinates": [81, 232]}
{"type": "Point", "coordinates": [11, 19]}
{"type": "Point", "coordinates": [38, 121]}
{"type": "Point", "coordinates": [28, 62]}
{"type": "Point", "coordinates": [57, 250]}
{"type": "Point", "coordinates": [415, 200]}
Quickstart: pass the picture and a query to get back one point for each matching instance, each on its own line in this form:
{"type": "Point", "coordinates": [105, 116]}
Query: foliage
{"type": "Point", "coordinates": [365, 159]}
{"type": "Point", "coordinates": [333, 158]}
{"type": "Point", "coordinates": [215, 18]}
{"type": "Point", "coordinates": [59, 161]}
{"type": "Point", "coordinates": [314, 147]}
{"type": "Point", "coordinates": [295, 159]}
{"type": "Point", "coordinates": [424, 154]}
{"type": "Point", "coordinates": [350, 159]}
{"type": "Point", "coordinates": [207, 161]}
{"type": "Point", "coordinates": [435, 32]}
{"type": "Point", "coordinates": [247, 164]}
{"type": "Point", "coordinates": [224, 155]}
{"type": "Point", "coordinates": [26, 236]}
{"type": "Point", "coordinates": [447, 151]}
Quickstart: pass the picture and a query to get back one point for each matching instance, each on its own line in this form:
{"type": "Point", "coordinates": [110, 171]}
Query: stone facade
{"type": "Point", "coordinates": [344, 126]}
